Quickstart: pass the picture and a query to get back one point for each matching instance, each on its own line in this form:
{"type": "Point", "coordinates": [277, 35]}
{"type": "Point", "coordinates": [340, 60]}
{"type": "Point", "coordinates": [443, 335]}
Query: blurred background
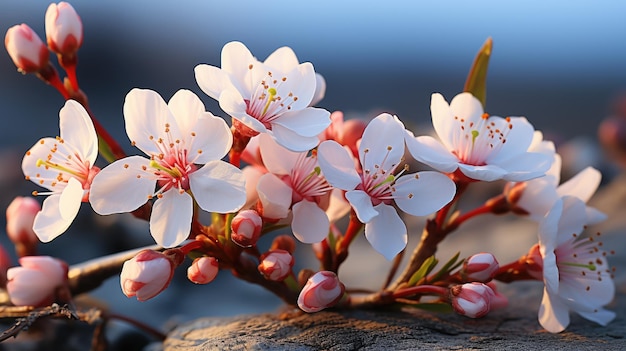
{"type": "Point", "coordinates": [559, 63]}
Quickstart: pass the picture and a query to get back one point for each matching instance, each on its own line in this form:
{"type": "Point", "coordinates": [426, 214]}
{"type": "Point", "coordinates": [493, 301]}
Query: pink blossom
{"type": "Point", "coordinates": [34, 283]}
{"type": "Point", "coordinates": [26, 49]}
{"type": "Point", "coordinates": [20, 219]}
{"type": "Point", "coordinates": [146, 274]}
{"type": "Point", "coordinates": [471, 299]}
{"type": "Point", "coordinates": [64, 29]}
{"type": "Point", "coordinates": [276, 265]}
{"type": "Point", "coordinates": [203, 270]}
{"type": "Point", "coordinates": [321, 291]}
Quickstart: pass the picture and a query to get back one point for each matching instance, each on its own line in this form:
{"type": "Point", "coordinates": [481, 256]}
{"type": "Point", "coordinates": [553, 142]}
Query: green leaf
{"type": "Point", "coordinates": [447, 268]}
{"type": "Point", "coordinates": [476, 82]}
{"type": "Point", "coordinates": [426, 268]}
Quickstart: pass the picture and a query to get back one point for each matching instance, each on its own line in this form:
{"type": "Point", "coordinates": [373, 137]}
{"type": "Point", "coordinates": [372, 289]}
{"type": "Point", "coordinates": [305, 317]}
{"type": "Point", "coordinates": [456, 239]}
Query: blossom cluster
{"type": "Point", "coordinates": [283, 162]}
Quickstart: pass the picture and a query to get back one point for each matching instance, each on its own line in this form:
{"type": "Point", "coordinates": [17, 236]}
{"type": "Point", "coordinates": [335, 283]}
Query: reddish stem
{"type": "Point", "coordinates": [422, 290]}
{"type": "Point", "coordinates": [49, 75]}
{"type": "Point", "coordinates": [354, 228]}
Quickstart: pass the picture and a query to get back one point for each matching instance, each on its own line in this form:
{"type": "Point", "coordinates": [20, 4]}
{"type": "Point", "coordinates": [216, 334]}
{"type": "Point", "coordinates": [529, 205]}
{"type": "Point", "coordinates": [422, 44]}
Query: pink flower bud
{"type": "Point", "coordinates": [471, 299]}
{"type": "Point", "coordinates": [533, 262]}
{"type": "Point", "coordinates": [203, 270]}
{"type": "Point", "coordinates": [26, 49]}
{"type": "Point", "coordinates": [321, 291]}
{"type": "Point", "coordinates": [64, 29]}
{"type": "Point", "coordinates": [246, 228]}
{"type": "Point", "coordinates": [20, 218]}
{"type": "Point", "coordinates": [480, 268]}
{"type": "Point", "coordinates": [276, 265]}
{"type": "Point", "coordinates": [35, 282]}
{"type": "Point", "coordinates": [146, 274]}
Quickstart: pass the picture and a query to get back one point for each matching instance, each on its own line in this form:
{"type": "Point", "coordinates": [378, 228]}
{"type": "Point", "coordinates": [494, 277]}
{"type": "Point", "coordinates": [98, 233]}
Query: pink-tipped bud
{"type": "Point", "coordinates": [480, 268]}
{"type": "Point", "coordinates": [26, 49]}
{"type": "Point", "coordinates": [246, 228]}
{"type": "Point", "coordinates": [471, 299]}
{"type": "Point", "coordinates": [203, 270]}
{"type": "Point", "coordinates": [36, 281]}
{"type": "Point", "coordinates": [20, 218]}
{"type": "Point", "coordinates": [276, 265]}
{"type": "Point", "coordinates": [321, 291]}
{"type": "Point", "coordinates": [146, 274]}
{"type": "Point", "coordinates": [64, 29]}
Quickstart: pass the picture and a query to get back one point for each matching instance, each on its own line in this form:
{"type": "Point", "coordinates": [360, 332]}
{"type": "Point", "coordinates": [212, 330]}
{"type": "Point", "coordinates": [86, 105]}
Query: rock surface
{"type": "Point", "coordinates": [512, 328]}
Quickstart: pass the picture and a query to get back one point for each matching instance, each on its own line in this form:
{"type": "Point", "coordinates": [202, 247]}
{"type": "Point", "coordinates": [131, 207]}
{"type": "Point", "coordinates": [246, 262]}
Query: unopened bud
{"type": "Point", "coordinates": [203, 270]}
{"type": "Point", "coordinates": [471, 299]}
{"type": "Point", "coordinates": [36, 281]}
{"type": "Point", "coordinates": [246, 228]}
{"type": "Point", "coordinates": [276, 265]}
{"type": "Point", "coordinates": [26, 49]}
{"type": "Point", "coordinates": [146, 274]}
{"type": "Point", "coordinates": [20, 218]}
{"type": "Point", "coordinates": [497, 300]}
{"type": "Point", "coordinates": [321, 291]}
{"type": "Point", "coordinates": [64, 29]}
{"type": "Point", "coordinates": [480, 268]}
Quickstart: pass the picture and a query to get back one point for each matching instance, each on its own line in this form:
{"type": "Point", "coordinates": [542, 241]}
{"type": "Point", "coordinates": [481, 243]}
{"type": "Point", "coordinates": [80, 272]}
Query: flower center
{"type": "Point", "coordinates": [306, 180]}
{"type": "Point", "coordinates": [269, 100]}
{"type": "Point", "coordinates": [379, 182]}
{"type": "Point", "coordinates": [68, 161]}
{"type": "Point", "coordinates": [476, 141]}
{"type": "Point", "coordinates": [578, 259]}
{"type": "Point", "coordinates": [172, 165]}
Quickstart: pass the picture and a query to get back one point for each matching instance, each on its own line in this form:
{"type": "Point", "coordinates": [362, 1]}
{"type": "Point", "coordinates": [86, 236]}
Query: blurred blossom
{"type": "Point", "coordinates": [26, 49]}
{"type": "Point", "coordinates": [36, 281]}
{"type": "Point", "coordinates": [203, 270]}
{"type": "Point", "coordinates": [575, 271]}
{"type": "Point", "coordinates": [20, 218]}
{"type": "Point", "coordinates": [146, 274]}
{"type": "Point", "coordinates": [321, 291]}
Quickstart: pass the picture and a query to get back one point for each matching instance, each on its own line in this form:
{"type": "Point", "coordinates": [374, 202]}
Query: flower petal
{"type": "Point", "coordinates": [600, 316]}
{"type": "Point", "coordinates": [293, 141]}
{"type": "Point", "coordinates": [307, 122]}
{"type": "Point", "coordinates": [218, 187]}
{"type": "Point", "coordinates": [583, 185]}
{"type": "Point", "coordinates": [320, 89]}
{"type": "Point", "coordinates": [48, 222]}
{"type": "Point", "coordinates": [146, 115]}
{"type": "Point", "coordinates": [518, 140]}
{"type": "Point", "coordinates": [429, 151]}
{"type": "Point", "coordinates": [362, 204]}
{"type": "Point", "coordinates": [186, 108]}
{"type": "Point", "coordinates": [236, 61]}
{"type": "Point", "coordinates": [276, 158]}
{"type": "Point", "coordinates": [487, 173]}
{"type": "Point", "coordinates": [423, 193]}
{"type": "Point", "coordinates": [275, 196]}
{"type": "Point", "coordinates": [70, 200]}
{"type": "Point", "coordinates": [337, 165]}
{"type": "Point", "coordinates": [282, 58]}
{"type": "Point", "coordinates": [384, 139]}
{"type": "Point", "coordinates": [212, 141]}
{"type": "Point", "coordinates": [122, 186]}
{"type": "Point", "coordinates": [170, 221]}
{"type": "Point", "coordinates": [386, 232]}
{"type": "Point", "coordinates": [310, 223]}
{"type": "Point", "coordinates": [553, 313]}
{"type": "Point", "coordinates": [78, 131]}
{"type": "Point", "coordinates": [525, 166]}
{"type": "Point", "coordinates": [212, 80]}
